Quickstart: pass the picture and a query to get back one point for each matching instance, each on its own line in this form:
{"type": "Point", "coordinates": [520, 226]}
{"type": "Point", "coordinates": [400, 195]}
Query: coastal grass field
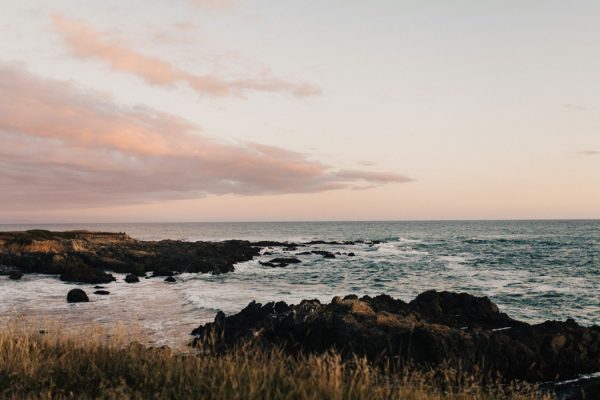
{"type": "Point", "coordinates": [93, 363]}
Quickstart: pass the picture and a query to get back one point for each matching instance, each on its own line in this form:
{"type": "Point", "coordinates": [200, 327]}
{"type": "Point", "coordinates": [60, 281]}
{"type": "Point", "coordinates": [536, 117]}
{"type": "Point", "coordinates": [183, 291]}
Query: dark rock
{"type": "Point", "coordinates": [99, 287]}
{"type": "Point", "coordinates": [324, 253]}
{"type": "Point", "coordinates": [162, 272]}
{"type": "Point", "coordinates": [102, 292]}
{"type": "Point", "coordinates": [351, 254]}
{"type": "Point", "coordinates": [170, 279]}
{"type": "Point", "coordinates": [304, 253]}
{"type": "Point", "coordinates": [433, 329]}
{"type": "Point", "coordinates": [279, 262]}
{"type": "Point", "coordinates": [15, 276]}
{"type": "Point", "coordinates": [132, 279]}
{"type": "Point", "coordinates": [272, 265]}
{"type": "Point", "coordinates": [584, 388]}
{"type": "Point", "coordinates": [286, 260]}
{"type": "Point", "coordinates": [83, 273]}
{"type": "Point", "coordinates": [77, 296]}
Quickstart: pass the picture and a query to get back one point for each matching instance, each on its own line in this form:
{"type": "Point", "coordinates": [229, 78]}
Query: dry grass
{"type": "Point", "coordinates": [94, 364]}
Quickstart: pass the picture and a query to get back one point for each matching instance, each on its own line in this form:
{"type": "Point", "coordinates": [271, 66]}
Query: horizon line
{"type": "Point", "coordinates": [308, 221]}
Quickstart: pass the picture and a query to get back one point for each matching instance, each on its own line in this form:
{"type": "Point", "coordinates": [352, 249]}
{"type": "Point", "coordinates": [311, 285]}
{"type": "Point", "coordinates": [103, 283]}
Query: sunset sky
{"type": "Point", "coordinates": [251, 110]}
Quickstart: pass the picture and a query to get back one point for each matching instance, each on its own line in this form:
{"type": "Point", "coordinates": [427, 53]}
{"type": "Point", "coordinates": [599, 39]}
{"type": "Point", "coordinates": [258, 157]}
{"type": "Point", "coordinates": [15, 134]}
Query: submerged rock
{"type": "Point", "coordinates": [102, 292]}
{"type": "Point", "coordinates": [434, 328]}
{"type": "Point", "coordinates": [77, 296]}
{"type": "Point", "coordinates": [170, 279]}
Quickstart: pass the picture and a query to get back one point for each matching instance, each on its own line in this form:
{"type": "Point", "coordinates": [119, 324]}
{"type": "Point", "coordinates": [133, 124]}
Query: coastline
{"type": "Point", "coordinates": [173, 319]}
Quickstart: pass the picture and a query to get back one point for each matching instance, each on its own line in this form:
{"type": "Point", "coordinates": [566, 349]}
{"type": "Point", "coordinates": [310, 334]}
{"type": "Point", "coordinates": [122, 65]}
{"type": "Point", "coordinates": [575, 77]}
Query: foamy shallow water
{"type": "Point", "coordinates": [533, 270]}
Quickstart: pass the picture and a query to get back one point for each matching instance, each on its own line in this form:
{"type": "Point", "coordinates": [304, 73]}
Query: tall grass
{"type": "Point", "coordinates": [95, 364]}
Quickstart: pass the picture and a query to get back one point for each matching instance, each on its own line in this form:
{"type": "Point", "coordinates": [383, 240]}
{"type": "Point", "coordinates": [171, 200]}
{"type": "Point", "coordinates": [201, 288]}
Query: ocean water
{"type": "Point", "coordinates": [533, 270]}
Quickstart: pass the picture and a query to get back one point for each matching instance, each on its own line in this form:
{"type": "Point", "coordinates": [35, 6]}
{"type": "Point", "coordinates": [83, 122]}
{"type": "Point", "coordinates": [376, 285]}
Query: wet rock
{"type": "Point", "coordinates": [77, 296]}
{"type": "Point", "coordinates": [102, 292]}
{"type": "Point", "coordinates": [132, 279]}
{"type": "Point", "coordinates": [351, 254]}
{"type": "Point", "coordinates": [433, 329]}
{"type": "Point", "coordinates": [99, 287]}
{"type": "Point", "coordinates": [279, 262]}
{"type": "Point", "coordinates": [15, 276]}
{"type": "Point", "coordinates": [324, 253]}
{"type": "Point", "coordinates": [304, 253]}
{"type": "Point", "coordinates": [170, 279]}
{"type": "Point", "coordinates": [285, 260]}
{"type": "Point", "coordinates": [79, 272]}
{"type": "Point", "coordinates": [162, 272]}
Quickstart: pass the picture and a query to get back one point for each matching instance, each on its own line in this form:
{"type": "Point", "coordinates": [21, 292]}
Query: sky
{"type": "Point", "coordinates": [256, 110]}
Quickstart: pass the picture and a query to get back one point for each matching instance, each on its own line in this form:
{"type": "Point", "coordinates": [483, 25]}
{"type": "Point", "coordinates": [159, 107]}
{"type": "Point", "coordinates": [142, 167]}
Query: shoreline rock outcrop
{"type": "Point", "coordinates": [84, 257]}
{"type": "Point", "coordinates": [434, 328]}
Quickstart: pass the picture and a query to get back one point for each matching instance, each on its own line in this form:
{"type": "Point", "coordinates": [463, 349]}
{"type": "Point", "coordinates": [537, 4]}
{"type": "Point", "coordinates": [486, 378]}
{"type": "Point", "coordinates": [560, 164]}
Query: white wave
{"type": "Point", "coordinates": [406, 240]}
{"type": "Point", "coordinates": [393, 249]}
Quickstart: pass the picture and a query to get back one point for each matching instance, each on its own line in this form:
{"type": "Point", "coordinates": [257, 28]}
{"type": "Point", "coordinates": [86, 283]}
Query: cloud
{"type": "Point", "coordinates": [85, 42]}
{"type": "Point", "coordinates": [63, 146]}
{"type": "Point", "coordinates": [588, 152]}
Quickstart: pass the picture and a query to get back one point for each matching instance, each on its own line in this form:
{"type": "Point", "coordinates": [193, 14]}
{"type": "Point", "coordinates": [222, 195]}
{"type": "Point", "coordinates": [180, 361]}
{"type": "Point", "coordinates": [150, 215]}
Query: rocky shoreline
{"type": "Point", "coordinates": [434, 329]}
{"type": "Point", "coordinates": [84, 257]}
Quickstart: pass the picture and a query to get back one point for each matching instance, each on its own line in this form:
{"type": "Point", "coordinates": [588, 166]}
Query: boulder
{"type": "Point", "coordinates": [77, 296]}
{"type": "Point", "coordinates": [102, 292]}
{"type": "Point", "coordinates": [132, 278]}
{"type": "Point", "coordinates": [170, 279]}
{"type": "Point", "coordinates": [15, 276]}
{"type": "Point", "coordinates": [79, 272]}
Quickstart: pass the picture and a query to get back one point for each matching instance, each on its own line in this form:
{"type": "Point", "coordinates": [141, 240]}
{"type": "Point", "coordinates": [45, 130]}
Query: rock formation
{"type": "Point", "coordinates": [77, 296]}
{"type": "Point", "coordinates": [81, 256]}
{"type": "Point", "coordinates": [434, 328]}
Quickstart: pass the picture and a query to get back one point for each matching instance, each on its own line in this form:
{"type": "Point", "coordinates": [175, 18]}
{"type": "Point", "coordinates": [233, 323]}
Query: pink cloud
{"type": "Point", "coordinates": [85, 42]}
{"type": "Point", "coordinates": [63, 146]}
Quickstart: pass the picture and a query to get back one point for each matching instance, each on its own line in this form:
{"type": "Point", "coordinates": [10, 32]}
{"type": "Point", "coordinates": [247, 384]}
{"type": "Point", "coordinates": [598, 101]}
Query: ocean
{"type": "Point", "coordinates": [533, 270]}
